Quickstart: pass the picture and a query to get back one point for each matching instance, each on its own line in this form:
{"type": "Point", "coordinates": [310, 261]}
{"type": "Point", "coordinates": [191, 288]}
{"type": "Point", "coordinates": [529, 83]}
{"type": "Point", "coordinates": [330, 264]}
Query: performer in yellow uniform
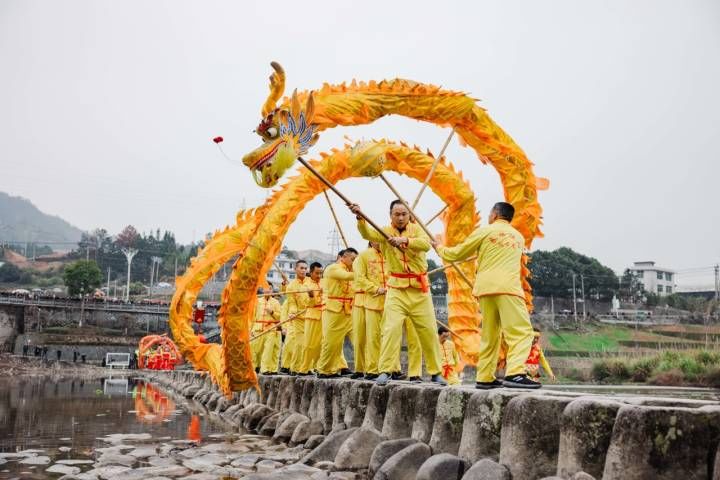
{"type": "Point", "coordinates": [336, 319]}
{"type": "Point", "coordinates": [257, 327]}
{"type": "Point", "coordinates": [369, 270]}
{"type": "Point", "coordinates": [269, 343]}
{"type": "Point", "coordinates": [298, 298]}
{"type": "Point", "coordinates": [312, 338]}
{"type": "Point", "coordinates": [450, 357]}
{"type": "Point", "coordinates": [285, 357]}
{"type": "Point", "coordinates": [409, 294]}
{"type": "Point", "coordinates": [498, 285]}
{"type": "Point", "coordinates": [359, 333]}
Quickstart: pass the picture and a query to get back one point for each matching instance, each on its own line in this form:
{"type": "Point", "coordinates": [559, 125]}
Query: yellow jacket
{"type": "Point", "coordinates": [406, 267]}
{"type": "Point", "coordinates": [263, 319]}
{"type": "Point", "coordinates": [337, 284]}
{"type": "Point", "coordinates": [298, 301]}
{"type": "Point", "coordinates": [369, 269]}
{"type": "Point", "coordinates": [315, 304]}
{"type": "Point", "coordinates": [499, 248]}
{"type": "Point", "coordinates": [448, 353]}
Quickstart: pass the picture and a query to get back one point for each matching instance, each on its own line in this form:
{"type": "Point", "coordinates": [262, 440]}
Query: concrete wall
{"type": "Point", "coordinates": [405, 431]}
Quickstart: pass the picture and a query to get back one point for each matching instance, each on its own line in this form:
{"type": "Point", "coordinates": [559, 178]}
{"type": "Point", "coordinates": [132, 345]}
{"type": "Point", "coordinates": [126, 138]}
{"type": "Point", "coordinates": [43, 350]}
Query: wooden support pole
{"type": "Point", "coordinates": [425, 229]}
{"type": "Point", "coordinates": [445, 267]}
{"type": "Point", "coordinates": [337, 222]}
{"type": "Point", "coordinates": [437, 215]}
{"type": "Point", "coordinates": [340, 194]}
{"type": "Point", "coordinates": [274, 327]}
{"type": "Point", "coordinates": [432, 170]}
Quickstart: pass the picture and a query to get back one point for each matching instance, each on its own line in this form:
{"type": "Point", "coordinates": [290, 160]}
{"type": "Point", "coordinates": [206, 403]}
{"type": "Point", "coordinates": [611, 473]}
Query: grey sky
{"type": "Point", "coordinates": [107, 109]}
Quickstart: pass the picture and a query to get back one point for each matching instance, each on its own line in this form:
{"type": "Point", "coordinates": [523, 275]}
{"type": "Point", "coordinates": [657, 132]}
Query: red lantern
{"type": "Point", "coordinates": [218, 139]}
{"type": "Point", "coordinates": [199, 315]}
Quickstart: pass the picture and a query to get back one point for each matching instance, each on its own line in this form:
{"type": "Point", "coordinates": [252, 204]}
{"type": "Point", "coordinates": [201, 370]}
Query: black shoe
{"type": "Point", "coordinates": [285, 371]}
{"type": "Point", "coordinates": [268, 373]}
{"type": "Point", "coordinates": [415, 379]}
{"type": "Point", "coordinates": [398, 376]}
{"type": "Point", "coordinates": [520, 381]}
{"type": "Point", "coordinates": [488, 385]}
{"type": "Point", "coordinates": [345, 372]}
{"type": "Point", "coordinates": [438, 379]}
{"type": "Point", "coordinates": [371, 376]}
{"type": "Point", "coordinates": [257, 369]}
{"type": "Point", "coordinates": [357, 375]}
{"type": "Point", "coordinates": [293, 374]}
{"type": "Point", "coordinates": [328, 375]}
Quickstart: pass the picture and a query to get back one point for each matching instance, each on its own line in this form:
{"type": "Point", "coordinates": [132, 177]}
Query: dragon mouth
{"type": "Point", "coordinates": [265, 159]}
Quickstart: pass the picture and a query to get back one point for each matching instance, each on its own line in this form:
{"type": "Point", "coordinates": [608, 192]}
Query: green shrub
{"type": "Point", "coordinates": [669, 360]}
{"type": "Point", "coordinates": [691, 368]}
{"type": "Point", "coordinates": [600, 371]}
{"type": "Point", "coordinates": [707, 358]}
{"type": "Point", "coordinates": [618, 370]}
{"type": "Point", "coordinates": [576, 375]}
{"type": "Point", "coordinates": [641, 370]}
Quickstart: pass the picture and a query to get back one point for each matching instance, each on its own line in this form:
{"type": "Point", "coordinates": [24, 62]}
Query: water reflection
{"type": "Point", "coordinates": [46, 413]}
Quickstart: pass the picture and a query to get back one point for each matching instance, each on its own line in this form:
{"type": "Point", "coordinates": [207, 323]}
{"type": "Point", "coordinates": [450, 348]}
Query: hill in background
{"type": "Point", "coordinates": [21, 221]}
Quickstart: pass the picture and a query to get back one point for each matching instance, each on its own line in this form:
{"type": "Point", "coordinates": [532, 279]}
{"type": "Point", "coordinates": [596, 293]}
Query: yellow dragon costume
{"type": "Point", "coordinates": [288, 130]}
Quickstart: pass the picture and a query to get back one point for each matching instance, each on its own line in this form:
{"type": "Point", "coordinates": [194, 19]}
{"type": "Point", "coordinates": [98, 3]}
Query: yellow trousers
{"type": "Point", "coordinates": [312, 341]}
{"type": "Point", "coordinates": [335, 327]}
{"type": "Point", "coordinates": [359, 338]}
{"type": "Point", "coordinates": [256, 347]}
{"type": "Point", "coordinates": [288, 347]}
{"type": "Point", "coordinates": [297, 352]}
{"type": "Point", "coordinates": [506, 313]}
{"type": "Point", "coordinates": [414, 352]}
{"type": "Point", "coordinates": [453, 378]}
{"type": "Point", "coordinates": [270, 352]}
{"type": "Point", "coordinates": [412, 304]}
{"type": "Point", "coordinates": [373, 333]}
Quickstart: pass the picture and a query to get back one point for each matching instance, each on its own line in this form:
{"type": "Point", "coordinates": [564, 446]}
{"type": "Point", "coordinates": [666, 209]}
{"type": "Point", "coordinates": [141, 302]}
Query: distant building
{"type": "Point", "coordinates": [654, 279]}
{"type": "Point", "coordinates": [287, 266]}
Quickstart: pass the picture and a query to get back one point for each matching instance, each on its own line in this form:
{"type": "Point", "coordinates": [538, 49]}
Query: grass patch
{"type": "Point", "coordinates": [603, 339]}
{"type": "Point", "coordinates": [671, 368]}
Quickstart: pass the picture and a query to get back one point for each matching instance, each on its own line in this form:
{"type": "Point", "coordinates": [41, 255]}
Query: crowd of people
{"type": "Point", "coordinates": [376, 295]}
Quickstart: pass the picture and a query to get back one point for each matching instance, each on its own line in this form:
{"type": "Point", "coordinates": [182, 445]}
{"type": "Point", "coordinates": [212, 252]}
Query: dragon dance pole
{"type": "Point", "coordinates": [445, 267]}
{"type": "Point", "coordinates": [432, 170]}
{"type": "Point", "coordinates": [268, 330]}
{"type": "Point", "coordinates": [337, 222]}
{"type": "Point", "coordinates": [437, 215]}
{"type": "Point", "coordinates": [342, 197]}
{"type": "Point", "coordinates": [427, 231]}
{"type": "Point", "coordinates": [260, 295]}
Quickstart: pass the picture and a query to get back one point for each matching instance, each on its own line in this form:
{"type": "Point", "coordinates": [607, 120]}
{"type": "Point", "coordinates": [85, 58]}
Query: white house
{"type": "Point", "coordinates": [286, 264]}
{"type": "Point", "coordinates": [655, 279]}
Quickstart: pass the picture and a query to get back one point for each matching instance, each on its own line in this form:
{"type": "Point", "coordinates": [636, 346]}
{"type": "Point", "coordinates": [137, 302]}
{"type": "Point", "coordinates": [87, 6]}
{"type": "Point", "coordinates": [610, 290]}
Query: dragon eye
{"type": "Point", "coordinates": [272, 132]}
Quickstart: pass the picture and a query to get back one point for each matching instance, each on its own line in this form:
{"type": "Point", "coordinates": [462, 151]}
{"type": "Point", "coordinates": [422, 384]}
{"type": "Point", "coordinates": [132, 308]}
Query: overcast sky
{"type": "Point", "coordinates": [107, 110]}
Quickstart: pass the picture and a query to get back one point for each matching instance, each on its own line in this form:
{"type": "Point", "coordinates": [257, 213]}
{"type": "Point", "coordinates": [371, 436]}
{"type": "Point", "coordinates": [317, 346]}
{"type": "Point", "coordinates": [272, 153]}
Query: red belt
{"type": "Point", "coordinates": [420, 277]}
{"type": "Point", "coordinates": [342, 299]}
{"type": "Point", "coordinates": [447, 370]}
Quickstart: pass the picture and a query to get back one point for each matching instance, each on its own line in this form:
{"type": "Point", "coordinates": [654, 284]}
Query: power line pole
{"type": "Point", "coordinates": [107, 295]}
{"type": "Point", "coordinates": [574, 300]}
{"type": "Point", "coordinates": [129, 254]}
{"type": "Point", "coordinates": [582, 287]}
{"type": "Point", "coordinates": [717, 282]}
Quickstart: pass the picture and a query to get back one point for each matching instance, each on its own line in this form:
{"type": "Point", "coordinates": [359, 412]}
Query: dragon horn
{"type": "Point", "coordinates": [310, 109]}
{"type": "Point", "coordinates": [277, 88]}
{"type": "Point", "coordinates": [295, 105]}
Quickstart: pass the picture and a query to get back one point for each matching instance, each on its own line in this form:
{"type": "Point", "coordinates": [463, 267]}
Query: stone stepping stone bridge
{"type": "Point", "coordinates": [406, 431]}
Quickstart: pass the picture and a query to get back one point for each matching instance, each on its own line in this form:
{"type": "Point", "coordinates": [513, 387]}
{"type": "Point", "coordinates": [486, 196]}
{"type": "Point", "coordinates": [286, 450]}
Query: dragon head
{"type": "Point", "coordinates": [286, 133]}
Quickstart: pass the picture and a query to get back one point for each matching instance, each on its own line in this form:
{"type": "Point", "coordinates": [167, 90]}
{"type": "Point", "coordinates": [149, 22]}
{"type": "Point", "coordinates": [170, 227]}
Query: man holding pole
{"type": "Point", "coordinates": [267, 314]}
{"type": "Point", "coordinates": [336, 318]}
{"type": "Point", "coordinates": [499, 248]}
{"type": "Point", "coordinates": [408, 296]}
{"type": "Point", "coordinates": [298, 299]}
{"type": "Point", "coordinates": [312, 337]}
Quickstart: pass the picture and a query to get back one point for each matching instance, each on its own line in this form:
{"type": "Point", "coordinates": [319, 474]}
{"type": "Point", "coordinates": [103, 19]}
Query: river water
{"type": "Point", "coordinates": [65, 418]}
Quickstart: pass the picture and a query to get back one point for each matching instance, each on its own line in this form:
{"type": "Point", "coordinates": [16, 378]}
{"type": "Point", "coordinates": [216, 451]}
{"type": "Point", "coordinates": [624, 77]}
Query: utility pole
{"type": "Point", "coordinates": [574, 301]}
{"type": "Point", "coordinates": [107, 294]}
{"type": "Point", "coordinates": [155, 263]}
{"type": "Point", "coordinates": [175, 264]}
{"type": "Point", "coordinates": [717, 282]}
{"type": "Point", "coordinates": [582, 290]}
{"type": "Point", "coordinates": [129, 254]}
